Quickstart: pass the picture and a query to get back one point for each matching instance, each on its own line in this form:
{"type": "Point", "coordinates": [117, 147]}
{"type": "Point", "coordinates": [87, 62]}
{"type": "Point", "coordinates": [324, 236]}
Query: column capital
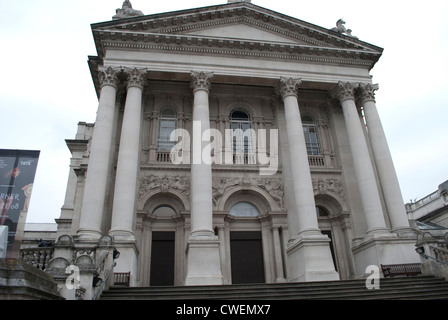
{"type": "Point", "coordinates": [136, 77]}
{"type": "Point", "coordinates": [289, 86]}
{"type": "Point", "coordinates": [346, 91]}
{"type": "Point", "coordinates": [108, 76]}
{"type": "Point", "coordinates": [200, 80]}
{"type": "Point", "coordinates": [367, 92]}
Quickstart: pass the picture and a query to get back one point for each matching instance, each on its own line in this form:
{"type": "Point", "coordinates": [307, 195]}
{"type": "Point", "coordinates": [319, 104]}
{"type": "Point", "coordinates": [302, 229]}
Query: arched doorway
{"type": "Point", "coordinates": [162, 238]}
{"type": "Point", "coordinates": [162, 252]}
{"type": "Point", "coordinates": [246, 248]}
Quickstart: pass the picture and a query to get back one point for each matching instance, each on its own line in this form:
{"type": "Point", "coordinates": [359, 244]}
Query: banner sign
{"type": "Point", "coordinates": [17, 171]}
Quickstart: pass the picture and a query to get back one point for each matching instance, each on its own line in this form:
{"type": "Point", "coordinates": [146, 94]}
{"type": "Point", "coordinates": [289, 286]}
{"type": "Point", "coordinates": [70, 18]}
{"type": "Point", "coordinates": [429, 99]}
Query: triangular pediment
{"type": "Point", "coordinates": [243, 31]}
{"type": "Point", "coordinates": [239, 25]}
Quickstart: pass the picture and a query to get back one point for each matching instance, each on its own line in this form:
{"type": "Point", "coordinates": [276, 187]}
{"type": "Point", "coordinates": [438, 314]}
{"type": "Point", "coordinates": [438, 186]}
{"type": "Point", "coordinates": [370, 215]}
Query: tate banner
{"type": "Point", "coordinates": [17, 171]}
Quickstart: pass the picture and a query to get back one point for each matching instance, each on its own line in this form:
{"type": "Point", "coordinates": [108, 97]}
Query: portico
{"type": "Point", "coordinates": [332, 202]}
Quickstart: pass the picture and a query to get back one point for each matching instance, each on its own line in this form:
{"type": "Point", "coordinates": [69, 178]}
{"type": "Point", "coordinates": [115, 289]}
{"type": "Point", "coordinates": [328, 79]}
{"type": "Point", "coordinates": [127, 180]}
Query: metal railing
{"type": "Point", "coordinates": [103, 283]}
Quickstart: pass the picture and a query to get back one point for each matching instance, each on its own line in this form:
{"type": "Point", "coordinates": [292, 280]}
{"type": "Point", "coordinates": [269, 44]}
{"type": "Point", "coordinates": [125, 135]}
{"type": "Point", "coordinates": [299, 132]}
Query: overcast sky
{"type": "Point", "coordinates": [46, 87]}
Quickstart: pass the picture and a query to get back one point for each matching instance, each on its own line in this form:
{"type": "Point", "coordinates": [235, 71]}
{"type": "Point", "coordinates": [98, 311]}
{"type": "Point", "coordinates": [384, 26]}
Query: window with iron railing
{"type": "Point", "coordinates": [167, 124]}
{"type": "Point", "coordinates": [242, 139]}
{"type": "Point", "coordinates": [311, 136]}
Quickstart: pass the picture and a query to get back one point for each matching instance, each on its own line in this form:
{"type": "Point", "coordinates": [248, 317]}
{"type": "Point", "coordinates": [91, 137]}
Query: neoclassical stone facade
{"type": "Point", "coordinates": [309, 194]}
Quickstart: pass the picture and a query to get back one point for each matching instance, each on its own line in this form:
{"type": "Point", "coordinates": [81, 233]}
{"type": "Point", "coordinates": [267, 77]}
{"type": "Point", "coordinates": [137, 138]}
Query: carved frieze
{"type": "Point", "coordinates": [325, 185]}
{"type": "Point", "coordinates": [164, 184]}
{"type": "Point", "coordinates": [272, 186]}
{"type": "Point", "coordinates": [220, 185]}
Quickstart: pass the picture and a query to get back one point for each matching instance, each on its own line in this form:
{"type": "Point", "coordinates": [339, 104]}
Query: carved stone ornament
{"type": "Point", "coordinates": [289, 86]}
{"type": "Point", "coordinates": [340, 28]}
{"type": "Point", "coordinates": [201, 80]}
{"type": "Point", "coordinates": [275, 189]}
{"type": "Point", "coordinates": [126, 11]}
{"type": "Point", "coordinates": [325, 185]}
{"type": "Point", "coordinates": [108, 77]}
{"type": "Point", "coordinates": [136, 77]}
{"type": "Point", "coordinates": [272, 186]}
{"type": "Point", "coordinates": [346, 91]}
{"type": "Point", "coordinates": [165, 184]}
{"type": "Point", "coordinates": [367, 92]}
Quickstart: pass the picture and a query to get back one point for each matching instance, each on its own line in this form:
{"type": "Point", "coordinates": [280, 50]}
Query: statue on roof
{"type": "Point", "coordinates": [340, 28]}
{"type": "Point", "coordinates": [127, 11]}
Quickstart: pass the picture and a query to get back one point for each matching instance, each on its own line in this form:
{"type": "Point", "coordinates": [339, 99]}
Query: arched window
{"type": "Point", "coordinates": [164, 211]}
{"type": "Point", "coordinates": [321, 212]}
{"type": "Point", "coordinates": [311, 136]}
{"type": "Point", "coordinates": [167, 124]}
{"type": "Point", "coordinates": [244, 209]}
{"type": "Point", "coordinates": [240, 124]}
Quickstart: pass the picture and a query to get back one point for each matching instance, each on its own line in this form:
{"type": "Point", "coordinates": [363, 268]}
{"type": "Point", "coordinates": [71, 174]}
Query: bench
{"type": "Point", "coordinates": [407, 269]}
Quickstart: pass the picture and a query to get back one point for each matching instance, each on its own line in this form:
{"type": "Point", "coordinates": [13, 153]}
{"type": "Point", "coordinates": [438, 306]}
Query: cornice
{"type": "Point", "coordinates": [237, 48]}
{"type": "Point", "coordinates": [75, 145]}
{"type": "Point", "coordinates": [234, 13]}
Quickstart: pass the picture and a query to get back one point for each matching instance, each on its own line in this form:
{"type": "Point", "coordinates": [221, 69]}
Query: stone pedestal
{"type": "Point", "coordinates": [21, 281]}
{"type": "Point", "coordinates": [310, 259]}
{"type": "Point", "coordinates": [204, 266]}
{"type": "Point", "coordinates": [377, 249]}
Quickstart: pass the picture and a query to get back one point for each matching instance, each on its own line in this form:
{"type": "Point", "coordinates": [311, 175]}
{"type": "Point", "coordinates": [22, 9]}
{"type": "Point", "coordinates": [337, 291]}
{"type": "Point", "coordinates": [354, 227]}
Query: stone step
{"type": "Point", "coordinates": [419, 287]}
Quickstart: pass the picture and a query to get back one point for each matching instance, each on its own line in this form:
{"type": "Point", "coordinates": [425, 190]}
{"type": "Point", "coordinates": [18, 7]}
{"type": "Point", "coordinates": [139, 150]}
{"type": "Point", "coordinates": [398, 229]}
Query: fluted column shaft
{"type": "Point", "coordinates": [362, 162]}
{"type": "Point", "coordinates": [300, 171]}
{"type": "Point", "coordinates": [201, 169]}
{"type": "Point", "coordinates": [383, 160]}
{"type": "Point", "coordinates": [97, 173]}
{"type": "Point", "coordinates": [128, 159]}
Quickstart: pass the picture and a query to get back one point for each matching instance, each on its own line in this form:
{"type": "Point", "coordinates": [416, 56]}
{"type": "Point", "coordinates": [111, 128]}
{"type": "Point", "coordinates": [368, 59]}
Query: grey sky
{"type": "Point", "coordinates": [46, 87]}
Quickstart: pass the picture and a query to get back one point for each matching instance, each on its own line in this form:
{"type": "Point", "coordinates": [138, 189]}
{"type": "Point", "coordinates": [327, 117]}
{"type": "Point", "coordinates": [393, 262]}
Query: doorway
{"type": "Point", "coordinates": [246, 254]}
{"type": "Point", "coordinates": [162, 258]}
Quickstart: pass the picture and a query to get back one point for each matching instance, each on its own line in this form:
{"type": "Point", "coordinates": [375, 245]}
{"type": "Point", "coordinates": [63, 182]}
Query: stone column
{"type": "Point", "coordinates": [383, 160]}
{"type": "Point", "coordinates": [300, 170]}
{"type": "Point", "coordinates": [203, 246]}
{"type": "Point", "coordinates": [128, 160]}
{"type": "Point", "coordinates": [280, 275]}
{"type": "Point", "coordinates": [96, 180]}
{"type": "Point", "coordinates": [308, 251]}
{"type": "Point", "coordinates": [201, 169]}
{"type": "Point", "coordinates": [362, 162]}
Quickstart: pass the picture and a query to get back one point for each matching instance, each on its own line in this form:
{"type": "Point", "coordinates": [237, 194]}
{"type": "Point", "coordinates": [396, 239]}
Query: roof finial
{"type": "Point", "coordinates": [126, 11]}
{"type": "Point", "coordinates": [340, 28]}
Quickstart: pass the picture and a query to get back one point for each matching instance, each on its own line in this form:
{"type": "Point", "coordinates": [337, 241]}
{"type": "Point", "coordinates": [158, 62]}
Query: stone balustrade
{"type": "Point", "coordinates": [38, 257]}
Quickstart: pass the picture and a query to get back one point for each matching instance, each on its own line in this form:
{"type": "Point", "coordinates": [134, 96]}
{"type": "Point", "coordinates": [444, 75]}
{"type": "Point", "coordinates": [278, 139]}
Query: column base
{"type": "Point", "coordinates": [122, 235]}
{"type": "Point", "coordinates": [88, 235]}
{"type": "Point", "coordinates": [382, 249]}
{"type": "Point", "coordinates": [405, 232]}
{"type": "Point", "coordinates": [204, 265]}
{"type": "Point", "coordinates": [310, 259]}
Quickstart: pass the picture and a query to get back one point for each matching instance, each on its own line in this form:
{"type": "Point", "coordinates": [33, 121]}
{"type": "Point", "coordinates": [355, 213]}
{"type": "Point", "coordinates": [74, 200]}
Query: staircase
{"type": "Point", "coordinates": [417, 287]}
